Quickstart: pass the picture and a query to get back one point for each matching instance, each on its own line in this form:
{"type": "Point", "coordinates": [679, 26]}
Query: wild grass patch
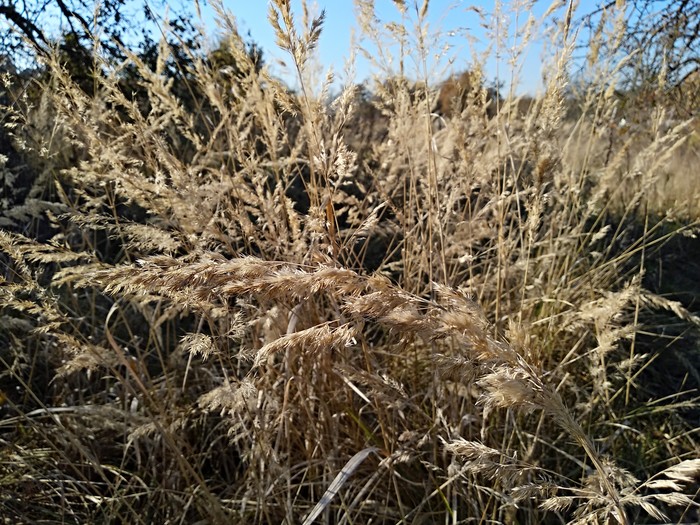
{"type": "Point", "coordinates": [226, 302]}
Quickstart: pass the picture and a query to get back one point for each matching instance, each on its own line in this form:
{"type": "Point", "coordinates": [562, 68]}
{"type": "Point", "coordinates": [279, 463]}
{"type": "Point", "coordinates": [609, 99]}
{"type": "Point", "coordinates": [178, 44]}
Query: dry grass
{"type": "Point", "coordinates": [253, 306]}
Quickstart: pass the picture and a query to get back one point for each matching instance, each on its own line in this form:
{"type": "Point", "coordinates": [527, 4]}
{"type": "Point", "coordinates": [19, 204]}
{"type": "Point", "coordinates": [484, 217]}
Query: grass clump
{"type": "Point", "coordinates": [226, 302]}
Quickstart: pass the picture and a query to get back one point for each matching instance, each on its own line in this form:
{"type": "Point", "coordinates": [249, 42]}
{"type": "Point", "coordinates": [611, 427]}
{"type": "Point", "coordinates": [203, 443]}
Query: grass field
{"type": "Point", "coordinates": [222, 301]}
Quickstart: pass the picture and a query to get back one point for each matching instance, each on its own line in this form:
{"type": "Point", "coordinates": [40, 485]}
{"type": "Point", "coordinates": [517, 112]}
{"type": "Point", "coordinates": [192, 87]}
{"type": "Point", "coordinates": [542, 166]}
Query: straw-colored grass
{"type": "Point", "coordinates": [247, 305]}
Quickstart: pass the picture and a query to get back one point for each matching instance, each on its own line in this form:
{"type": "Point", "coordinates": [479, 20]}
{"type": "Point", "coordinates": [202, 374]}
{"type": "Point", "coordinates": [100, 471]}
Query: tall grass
{"type": "Point", "coordinates": [233, 303]}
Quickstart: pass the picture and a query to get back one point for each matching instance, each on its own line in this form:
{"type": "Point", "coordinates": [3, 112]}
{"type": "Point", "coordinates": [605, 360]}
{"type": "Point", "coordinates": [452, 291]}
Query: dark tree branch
{"type": "Point", "coordinates": [664, 33]}
{"type": "Point", "coordinates": [26, 27]}
{"type": "Point", "coordinates": [70, 15]}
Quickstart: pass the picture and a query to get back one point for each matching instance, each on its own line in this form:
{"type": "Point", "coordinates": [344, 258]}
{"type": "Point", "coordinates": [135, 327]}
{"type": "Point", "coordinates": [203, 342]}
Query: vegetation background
{"type": "Point", "coordinates": [416, 300]}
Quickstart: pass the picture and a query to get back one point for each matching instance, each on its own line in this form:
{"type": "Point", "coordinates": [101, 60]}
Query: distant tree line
{"type": "Point", "coordinates": [33, 29]}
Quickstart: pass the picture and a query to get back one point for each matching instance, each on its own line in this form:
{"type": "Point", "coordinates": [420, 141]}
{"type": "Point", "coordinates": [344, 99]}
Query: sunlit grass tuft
{"type": "Point", "coordinates": [226, 302]}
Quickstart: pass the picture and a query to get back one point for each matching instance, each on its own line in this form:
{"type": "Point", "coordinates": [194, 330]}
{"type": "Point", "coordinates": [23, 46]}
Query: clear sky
{"type": "Point", "coordinates": [462, 28]}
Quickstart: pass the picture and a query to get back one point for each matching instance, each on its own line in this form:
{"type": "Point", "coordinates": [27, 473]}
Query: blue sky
{"type": "Point", "coordinates": [463, 31]}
